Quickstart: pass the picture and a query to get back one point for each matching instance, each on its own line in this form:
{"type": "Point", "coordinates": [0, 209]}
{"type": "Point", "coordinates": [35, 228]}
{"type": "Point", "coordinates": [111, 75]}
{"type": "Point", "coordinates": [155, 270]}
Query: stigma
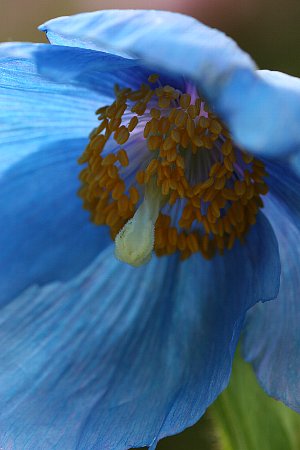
{"type": "Point", "coordinates": [135, 241]}
{"type": "Point", "coordinates": [162, 172]}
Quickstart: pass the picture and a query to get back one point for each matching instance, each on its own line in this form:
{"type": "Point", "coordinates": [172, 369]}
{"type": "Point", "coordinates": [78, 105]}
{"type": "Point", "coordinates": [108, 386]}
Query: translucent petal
{"type": "Point", "coordinates": [272, 338]}
{"type": "Point", "coordinates": [45, 233]}
{"type": "Point", "coordinates": [36, 111]}
{"type": "Point", "coordinates": [262, 110]}
{"type": "Point", "coordinates": [120, 357]}
{"type": "Point", "coordinates": [262, 114]}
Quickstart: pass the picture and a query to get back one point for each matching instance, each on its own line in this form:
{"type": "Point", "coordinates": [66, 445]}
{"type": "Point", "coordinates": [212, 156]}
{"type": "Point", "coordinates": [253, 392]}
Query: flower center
{"type": "Point", "coordinates": [163, 173]}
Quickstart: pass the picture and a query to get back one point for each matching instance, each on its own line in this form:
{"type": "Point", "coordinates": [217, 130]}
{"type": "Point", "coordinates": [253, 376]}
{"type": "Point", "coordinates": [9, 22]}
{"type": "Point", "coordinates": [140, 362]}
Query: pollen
{"type": "Point", "coordinates": [163, 173]}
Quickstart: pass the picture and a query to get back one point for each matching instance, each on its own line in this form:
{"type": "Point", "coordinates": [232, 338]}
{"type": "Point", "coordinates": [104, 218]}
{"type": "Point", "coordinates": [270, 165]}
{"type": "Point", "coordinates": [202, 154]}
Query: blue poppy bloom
{"type": "Point", "coordinates": [102, 354]}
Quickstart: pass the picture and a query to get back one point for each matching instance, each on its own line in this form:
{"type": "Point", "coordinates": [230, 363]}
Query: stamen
{"type": "Point", "coordinates": [200, 192]}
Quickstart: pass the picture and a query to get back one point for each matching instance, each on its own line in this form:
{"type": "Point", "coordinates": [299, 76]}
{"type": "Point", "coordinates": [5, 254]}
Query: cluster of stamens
{"type": "Point", "coordinates": [208, 191]}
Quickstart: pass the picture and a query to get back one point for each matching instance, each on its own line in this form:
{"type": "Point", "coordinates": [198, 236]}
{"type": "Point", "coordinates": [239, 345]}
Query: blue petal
{"type": "Point", "coordinates": [168, 40]}
{"type": "Point", "coordinates": [272, 338]}
{"type": "Point", "coordinates": [120, 357]}
{"type": "Point", "coordinates": [243, 98]}
{"type": "Point", "coordinates": [45, 233]}
{"type": "Point", "coordinates": [36, 111]}
{"type": "Point", "coordinates": [95, 70]}
{"type": "Point", "coordinates": [262, 110]}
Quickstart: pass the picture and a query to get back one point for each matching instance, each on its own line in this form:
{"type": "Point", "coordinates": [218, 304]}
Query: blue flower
{"type": "Point", "coordinates": [95, 353]}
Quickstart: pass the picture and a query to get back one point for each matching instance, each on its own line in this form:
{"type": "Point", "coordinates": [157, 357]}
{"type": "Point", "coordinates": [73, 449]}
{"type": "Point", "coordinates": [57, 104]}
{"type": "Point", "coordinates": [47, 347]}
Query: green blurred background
{"type": "Point", "coordinates": [244, 418]}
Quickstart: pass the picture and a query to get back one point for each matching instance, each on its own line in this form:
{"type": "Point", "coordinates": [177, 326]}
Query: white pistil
{"type": "Point", "coordinates": [135, 241]}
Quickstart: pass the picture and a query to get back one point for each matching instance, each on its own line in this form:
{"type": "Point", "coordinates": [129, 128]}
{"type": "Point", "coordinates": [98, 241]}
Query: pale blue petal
{"type": "Point", "coordinates": [167, 40]}
{"type": "Point", "coordinates": [36, 111]}
{"type": "Point", "coordinates": [120, 357]}
{"type": "Point", "coordinates": [272, 338]}
{"type": "Point", "coordinates": [257, 109]}
{"type": "Point", "coordinates": [45, 233]}
{"type": "Point", "coordinates": [262, 110]}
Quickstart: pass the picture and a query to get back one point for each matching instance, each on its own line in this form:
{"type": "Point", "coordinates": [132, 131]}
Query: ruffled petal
{"type": "Point", "coordinates": [36, 111]}
{"type": "Point", "coordinates": [272, 338]}
{"type": "Point", "coordinates": [257, 109]}
{"type": "Point", "coordinates": [120, 357]}
{"type": "Point", "coordinates": [45, 233]}
{"type": "Point", "coordinates": [262, 110]}
{"type": "Point", "coordinates": [168, 40]}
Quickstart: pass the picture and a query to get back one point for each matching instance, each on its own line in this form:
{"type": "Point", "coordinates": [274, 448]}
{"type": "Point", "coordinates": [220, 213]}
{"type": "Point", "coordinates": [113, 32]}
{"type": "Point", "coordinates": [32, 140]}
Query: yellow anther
{"type": "Point", "coordinates": [140, 177]}
{"type": "Point", "coordinates": [120, 111]}
{"type": "Point", "coordinates": [172, 115]}
{"type": "Point", "coordinates": [239, 188]}
{"type": "Point", "coordinates": [109, 159]}
{"type": "Point", "coordinates": [227, 148]}
{"type": "Point", "coordinates": [196, 139]}
{"type": "Point", "coordinates": [165, 187]}
{"type": "Point", "coordinates": [123, 157]}
{"type": "Point", "coordinates": [121, 135]}
{"type": "Point", "coordinates": [192, 243]}
{"type": "Point", "coordinates": [123, 204]}
{"type": "Point", "coordinates": [153, 78]}
{"type": "Point", "coordinates": [139, 108]}
{"type": "Point", "coordinates": [192, 111]}
{"type": "Point", "coordinates": [171, 155]}
{"type": "Point", "coordinates": [229, 194]}
{"type": "Point", "coordinates": [133, 123]}
{"type": "Point", "coordinates": [185, 140]}
{"type": "Point", "coordinates": [176, 136]}
{"type": "Point", "coordinates": [170, 92]}
{"type": "Point", "coordinates": [190, 127]}
{"type": "Point", "coordinates": [168, 143]}
{"type": "Point", "coordinates": [134, 194]}
{"type": "Point", "coordinates": [118, 190]}
{"type": "Point", "coordinates": [151, 169]}
{"type": "Point", "coordinates": [103, 125]}
{"type": "Point", "coordinates": [154, 125]}
{"type": "Point", "coordinates": [181, 118]}
{"type": "Point", "coordinates": [163, 125]}
{"type": "Point", "coordinates": [147, 129]}
{"type": "Point", "coordinates": [185, 100]}
{"type": "Point", "coordinates": [112, 172]}
{"type": "Point", "coordinates": [215, 127]}
{"type": "Point", "coordinates": [155, 113]}
{"type": "Point", "coordinates": [207, 142]}
{"type": "Point", "coordinates": [114, 124]}
{"type": "Point", "coordinates": [180, 161]}
{"type": "Point", "coordinates": [112, 218]}
{"type": "Point", "coordinates": [154, 143]}
{"type": "Point", "coordinates": [228, 164]}
{"type": "Point", "coordinates": [183, 160]}
{"type": "Point", "coordinates": [247, 157]}
{"type": "Point", "coordinates": [172, 236]}
{"type": "Point", "coordinates": [220, 183]}
{"type": "Point", "coordinates": [203, 122]}
{"type": "Point", "coordinates": [164, 102]}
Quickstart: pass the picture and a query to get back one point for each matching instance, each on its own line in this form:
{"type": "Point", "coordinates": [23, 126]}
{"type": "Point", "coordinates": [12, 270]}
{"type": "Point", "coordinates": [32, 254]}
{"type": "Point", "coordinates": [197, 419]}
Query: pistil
{"type": "Point", "coordinates": [135, 241]}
